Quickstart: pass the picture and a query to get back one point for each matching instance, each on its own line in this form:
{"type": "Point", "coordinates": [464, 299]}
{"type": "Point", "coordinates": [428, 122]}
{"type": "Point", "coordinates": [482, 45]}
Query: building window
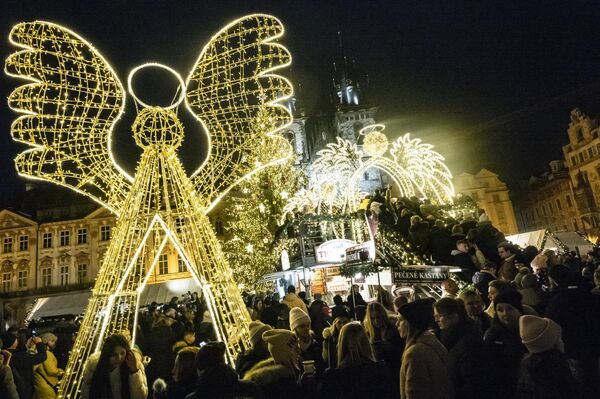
{"type": "Point", "coordinates": [47, 240]}
{"type": "Point", "coordinates": [558, 204]}
{"type": "Point", "coordinates": [580, 157]}
{"type": "Point", "coordinates": [23, 243]}
{"type": "Point", "coordinates": [81, 236]}
{"type": "Point", "coordinates": [7, 245]}
{"type": "Point", "coordinates": [46, 277]}
{"type": "Point", "coordinates": [544, 209]}
{"type": "Point", "coordinates": [550, 208]}
{"type": "Point", "coordinates": [6, 282]}
{"type": "Point", "coordinates": [63, 276]}
{"type": "Point", "coordinates": [575, 225]}
{"type": "Point", "coordinates": [590, 152]}
{"type": "Point", "coordinates": [181, 267]}
{"type": "Point", "coordinates": [104, 233]}
{"type": "Point", "coordinates": [569, 203]}
{"type": "Point", "coordinates": [163, 264]}
{"type": "Point", "coordinates": [537, 212]}
{"type": "Point", "coordinates": [81, 273]}
{"type": "Point", "coordinates": [64, 238]}
{"type": "Point", "coordinates": [22, 278]}
{"type": "Point", "coordinates": [573, 160]}
{"type": "Point", "coordinates": [496, 197]}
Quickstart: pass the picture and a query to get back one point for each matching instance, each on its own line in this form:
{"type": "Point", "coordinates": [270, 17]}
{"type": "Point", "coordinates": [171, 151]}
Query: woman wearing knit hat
{"type": "Point", "coordinates": [545, 371]}
{"type": "Point", "coordinates": [258, 352]}
{"type": "Point", "coordinates": [504, 344]}
{"type": "Point", "coordinates": [424, 371]}
{"type": "Point", "coordinates": [216, 379]}
{"type": "Point", "coordinates": [277, 376]}
{"type": "Point", "coordinates": [310, 349]}
{"type": "Point", "coordinates": [47, 374]}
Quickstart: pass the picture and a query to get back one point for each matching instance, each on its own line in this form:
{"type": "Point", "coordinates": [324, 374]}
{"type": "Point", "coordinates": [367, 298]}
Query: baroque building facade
{"type": "Point", "coordinates": [582, 155]}
{"type": "Point", "coordinates": [549, 202]}
{"type": "Point", "coordinates": [491, 195]}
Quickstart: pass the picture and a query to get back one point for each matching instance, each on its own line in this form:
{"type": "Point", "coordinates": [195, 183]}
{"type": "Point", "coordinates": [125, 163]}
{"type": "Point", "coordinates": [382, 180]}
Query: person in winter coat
{"type": "Point", "coordinates": [318, 312]}
{"type": "Point", "coordinates": [383, 336]}
{"type": "Point", "coordinates": [358, 375]}
{"type": "Point", "coordinates": [258, 352]}
{"type": "Point", "coordinates": [461, 257]}
{"type": "Point", "coordinates": [23, 361]}
{"type": "Point", "coordinates": [508, 270]}
{"type": "Point", "coordinates": [545, 371]}
{"type": "Point", "coordinates": [460, 337]}
{"type": "Point", "coordinates": [475, 311]}
{"type": "Point", "coordinates": [8, 389]}
{"type": "Point", "coordinates": [47, 374]}
{"type": "Point", "coordinates": [331, 339]}
{"type": "Point", "coordinates": [216, 379]}
{"type": "Point", "coordinates": [532, 293]}
{"type": "Point", "coordinates": [269, 313]}
{"type": "Point", "coordinates": [310, 349]}
{"type": "Point", "coordinates": [504, 345]}
{"type": "Point", "coordinates": [292, 301]}
{"type": "Point", "coordinates": [339, 308]}
{"type": "Point", "coordinates": [160, 348]}
{"type": "Point", "coordinates": [114, 373]}
{"type": "Point", "coordinates": [184, 374]}
{"type": "Point", "coordinates": [424, 371]}
{"type": "Point", "coordinates": [277, 376]}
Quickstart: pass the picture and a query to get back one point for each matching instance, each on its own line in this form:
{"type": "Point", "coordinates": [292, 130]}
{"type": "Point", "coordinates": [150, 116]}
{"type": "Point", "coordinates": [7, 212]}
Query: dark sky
{"type": "Point", "coordinates": [490, 83]}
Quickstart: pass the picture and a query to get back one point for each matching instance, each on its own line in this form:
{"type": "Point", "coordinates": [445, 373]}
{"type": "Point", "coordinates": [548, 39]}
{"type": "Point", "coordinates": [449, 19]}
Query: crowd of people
{"type": "Point", "coordinates": [532, 336]}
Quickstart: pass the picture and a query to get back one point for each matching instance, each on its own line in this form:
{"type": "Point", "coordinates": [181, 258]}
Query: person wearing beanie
{"type": "Point", "coordinates": [504, 345]}
{"type": "Point", "coordinates": [47, 374]}
{"type": "Point", "coordinates": [8, 389]}
{"type": "Point", "coordinates": [424, 370]}
{"type": "Point", "coordinates": [258, 352]}
{"type": "Point", "coordinates": [522, 272]}
{"type": "Point", "coordinates": [216, 379]}
{"type": "Point", "coordinates": [310, 348]}
{"type": "Point", "coordinates": [545, 371]}
{"type": "Point", "coordinates": [277, 376]}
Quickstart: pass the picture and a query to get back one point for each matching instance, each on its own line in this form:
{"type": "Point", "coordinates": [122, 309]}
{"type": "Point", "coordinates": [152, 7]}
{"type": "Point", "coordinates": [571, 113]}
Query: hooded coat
{"type": "Point", "coordinates": [273, 380]}
{"type": "Point", "coordinates": [46, 377]}
{"type": "Point", "coordinates": [424, 371]}
{"type": "Point", "coordinates": [292, 301]}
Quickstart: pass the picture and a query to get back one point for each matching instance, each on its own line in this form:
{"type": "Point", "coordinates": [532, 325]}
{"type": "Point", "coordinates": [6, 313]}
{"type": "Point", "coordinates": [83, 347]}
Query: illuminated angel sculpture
{"type": "Point", "coordinates": [70, 108]}
{"type": "Point", "coordinates": [415, 168]}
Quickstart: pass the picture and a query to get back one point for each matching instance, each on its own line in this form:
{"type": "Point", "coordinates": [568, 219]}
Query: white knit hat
{"type": "Point", "coordinates": [256, 331]}
{"type": "Point", "coordinates": [540, 334]}
{"type": "Point", "coordinates": [297, 318]}
{"type": "Point", "coordinates": [281, 345]}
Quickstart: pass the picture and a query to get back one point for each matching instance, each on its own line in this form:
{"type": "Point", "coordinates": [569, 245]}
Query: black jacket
{"type": "Point", "coordinates": [372, 380]}
{"type": "Point", "coordinates": [22, 363]}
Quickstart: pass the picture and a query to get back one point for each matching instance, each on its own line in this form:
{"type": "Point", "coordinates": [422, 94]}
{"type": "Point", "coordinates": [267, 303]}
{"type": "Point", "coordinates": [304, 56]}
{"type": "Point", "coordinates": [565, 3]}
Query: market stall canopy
{"type": "Point", "coordinates": [544, 239]}
{"type": "Point", "coordinates": [163, 292]}
{"type": "Point", "coordinates": [60, 305]}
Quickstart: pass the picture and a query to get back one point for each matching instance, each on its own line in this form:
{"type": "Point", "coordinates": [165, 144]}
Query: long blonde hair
{"type": "Point", "coordinates": [374, 308]}
{"type": "Point", "coordinates": [185, 363]}
{"type": "Point", "coordinates": [353, 347]}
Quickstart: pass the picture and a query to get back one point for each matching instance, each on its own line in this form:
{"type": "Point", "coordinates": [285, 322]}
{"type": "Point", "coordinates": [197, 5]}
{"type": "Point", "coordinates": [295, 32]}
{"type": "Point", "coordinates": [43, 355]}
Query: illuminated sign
{"type": "Point", "coordinates": [420, 274]}
{"type": "Point", "coordinates": [333, 251]}
{"type": "Point", "coordinates": [361, 253]}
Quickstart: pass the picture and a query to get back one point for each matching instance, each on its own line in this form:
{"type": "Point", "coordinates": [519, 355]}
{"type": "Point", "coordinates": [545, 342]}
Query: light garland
{"type": "Point", "coordinates": [70, 110]}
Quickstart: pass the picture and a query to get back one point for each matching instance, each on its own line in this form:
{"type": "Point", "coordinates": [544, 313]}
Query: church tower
{"type": "Point", "coordinates": [352, 110]}
{"type": "Point", "coordinates": [296, 132]}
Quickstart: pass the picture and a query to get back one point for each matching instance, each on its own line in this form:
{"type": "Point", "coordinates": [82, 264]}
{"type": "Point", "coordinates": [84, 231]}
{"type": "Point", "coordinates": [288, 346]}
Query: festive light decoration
{"type": "Point", "coordinates": [70, 109]}
{"type": "Point", "coordinates": [415, 168]}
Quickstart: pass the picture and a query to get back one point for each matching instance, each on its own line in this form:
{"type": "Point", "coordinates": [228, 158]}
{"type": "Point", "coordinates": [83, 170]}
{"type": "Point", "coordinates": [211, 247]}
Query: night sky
{"type": "Point", "coordinates": [491, 84]}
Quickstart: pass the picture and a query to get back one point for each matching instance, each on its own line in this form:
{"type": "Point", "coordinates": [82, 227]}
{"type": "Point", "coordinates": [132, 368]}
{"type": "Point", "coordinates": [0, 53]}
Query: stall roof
{"type": "Point", "coordinates": [574, 241]}
{"type": "Point", "coordinates": [163, 292]}
{"type": "Point", "coordinates": [60, 305]}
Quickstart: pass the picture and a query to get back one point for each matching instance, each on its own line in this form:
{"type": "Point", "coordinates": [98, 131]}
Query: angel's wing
{"type": "Point", "coordinates": [70, 108]}
{"type": "Point", "coordinates": [233, 93]}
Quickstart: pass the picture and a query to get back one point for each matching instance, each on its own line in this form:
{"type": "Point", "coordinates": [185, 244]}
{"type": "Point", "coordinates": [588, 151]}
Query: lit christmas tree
{"type": "Point", "coordinates": [253, 217]}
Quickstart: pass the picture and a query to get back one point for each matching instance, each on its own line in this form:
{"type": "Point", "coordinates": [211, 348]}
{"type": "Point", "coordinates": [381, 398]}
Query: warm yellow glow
{"type": "Point", "coordinates": [161, 66]}
{"type": "Point", "coordinates": [69, 112]}
{"type": "Point", "coordinates": [414, 167]}
{"type": "Point", "coordinates": [375, 143]}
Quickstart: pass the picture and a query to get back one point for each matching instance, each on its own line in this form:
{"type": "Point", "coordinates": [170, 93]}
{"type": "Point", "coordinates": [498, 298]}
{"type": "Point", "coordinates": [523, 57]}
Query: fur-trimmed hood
{"type": "Point", "coordinates": [268, 372]}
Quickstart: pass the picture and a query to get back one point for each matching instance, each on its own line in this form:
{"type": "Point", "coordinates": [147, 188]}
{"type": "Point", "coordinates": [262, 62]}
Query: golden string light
{"type": "Point", "coordinates": [70, 109]}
